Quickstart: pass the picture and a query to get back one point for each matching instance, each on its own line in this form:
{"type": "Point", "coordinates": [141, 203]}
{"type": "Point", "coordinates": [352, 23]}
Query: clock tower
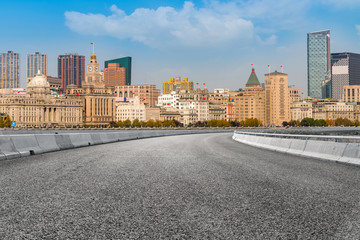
{"type": "Point", "coordinates": [93, 75]}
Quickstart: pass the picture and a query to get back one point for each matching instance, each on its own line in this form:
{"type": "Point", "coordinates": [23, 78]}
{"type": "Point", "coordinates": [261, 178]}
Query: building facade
{"type": "Point", "coordinates": [301, 110]}
{"type": "Point", "coordinates": [351, 93]}
{"type": "Point", "coordinates": [318, 61]}
{"type": "Point", "coordinates": [114, 75]}
{"type": "Point", "coordinates": [124, 62]}
{"type": "Point", "coordinates": [251, 102]}
{"type": "Point", "coordinates": [147, 93]}
{"type": "Point", "coordinates": [277, 99]}
{"type": "Point", "coordinates": [333, 110]}
{"type": "Point", "coordinates": [99, 100]}
{"type": "Point", "coordinates": [39, 108]}
{"type": "Point", "coordinates": [71, 70]}
{"type": "Point", "coordinates": [10, 70]}
{"type": "Point", "coordinates": [175, 84]}
{"type": "Point", "coordinates": [35, 62]}
{"type": "Point", "coordinates": [345, 70]}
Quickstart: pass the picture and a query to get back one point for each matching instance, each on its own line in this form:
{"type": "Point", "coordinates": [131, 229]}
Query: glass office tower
{"type": "Point", "coordinates": [345, 69]}
{"type": "Point", "coordinates": [318, 61]}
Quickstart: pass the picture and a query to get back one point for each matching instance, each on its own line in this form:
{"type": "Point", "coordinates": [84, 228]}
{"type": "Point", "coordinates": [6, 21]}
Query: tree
{"type": "Point", "coordinates": [308, 122]}
{"type": "Point", "coordinates": [343, 122]}
{"type": "Point", "coordinates": [178, 124]}
{"type": "Point", "coordinates": [150, 123]}
{"type": "Point", "coordinates": [329, 122]}
{"type": "Point", "coordinates": [136, 123]}
{"type": "Point", "coordinates": [212, 123]}
{"type": "Point", "coordinates": [120, 124]}
{"type": "Point", "coordinates": [2, 124]}
{"type": "Point", "coordinates": [7, 121]}
{"type": "Point", "coordinates": [321, 123]}
{"type": "Point", "coordinates": [112, 124]}
{"type": "Point", "coordinates": [127, 123]}
{"type": "Point", "coordinates": [142, 123]}
{"type": "Point", "coordinates": [250, 122]}
{"type": "Point", "coordinates": [157, 124]}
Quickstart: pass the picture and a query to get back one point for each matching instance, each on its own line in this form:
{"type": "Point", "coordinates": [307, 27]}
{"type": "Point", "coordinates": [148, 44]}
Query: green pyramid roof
{"type": "Point", "coordinates": [253, 80]}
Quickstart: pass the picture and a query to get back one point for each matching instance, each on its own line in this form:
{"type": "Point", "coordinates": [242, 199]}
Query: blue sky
{"type": "Point", "coordinates": [205, 40]}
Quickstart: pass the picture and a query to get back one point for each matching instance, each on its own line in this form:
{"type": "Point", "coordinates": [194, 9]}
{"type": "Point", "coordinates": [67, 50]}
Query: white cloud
{"type": "Point", "coordinates": [358, 29]}
{"type": "Point", "coordinates": [166, 26]}
{"type": "Point", "coordinates": [267, 41]}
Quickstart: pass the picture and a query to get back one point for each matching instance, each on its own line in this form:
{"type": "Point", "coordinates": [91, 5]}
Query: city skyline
{"type": "Point", "coordinates": [221, 57]}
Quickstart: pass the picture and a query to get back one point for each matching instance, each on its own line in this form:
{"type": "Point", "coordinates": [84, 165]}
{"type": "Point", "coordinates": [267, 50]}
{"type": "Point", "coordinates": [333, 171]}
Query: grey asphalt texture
{"type": "Point", "coordinates": [204, 186]}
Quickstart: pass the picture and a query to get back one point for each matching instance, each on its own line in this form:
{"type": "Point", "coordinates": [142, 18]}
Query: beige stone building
{"type": "Point", "coordinates": [333, 110]}
{"type": "Point", "coordinates": [351, 93]}
{"type": "Point", "coordinates": [277, 99]}
{"type": "Point", "coordinates": [170, 114]}
{"type": "Point", "coordinates": [251, 102]}
{"type": "Point", "coordinates": [99, 100]}
{"type": "Point", "coordinates": [301, 110]}
{"type": "Point", "coordinates": [294, 95]}
{"type": "Point", "coordinates": [147, 93]}
{"type": "Point", "coordinates": [131, 110]}
{"type": "Point", "coordinates": [39, 108]}
{"type": "Point", "coordinates": [216, 112]}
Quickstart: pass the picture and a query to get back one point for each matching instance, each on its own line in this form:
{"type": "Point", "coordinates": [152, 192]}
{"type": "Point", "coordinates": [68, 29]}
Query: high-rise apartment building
{"type": "Point", "coordinates": [277, 99]}
{"type": "Point", "coordinates": [71, 69]}
{"type": "Point", "coordinates": [175, 84]}
{"type": "Point", "coordinates": [35, 62]}
{"type": "Point", "coordinates": [345, 70]}
{"type": "Point", "coordinates": [10, 70]}
{"type": "Point", "coordinates": [318, 61]}
{"type": "Point", "coordinates": [114, 75]}
{"type": "Point", "coordinates": [124, 62]}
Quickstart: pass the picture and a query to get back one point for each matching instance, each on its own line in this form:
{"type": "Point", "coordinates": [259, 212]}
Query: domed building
{"type": "Point", "coordinates": [38, 86]}
{"type": "Point", "coordinates": [38, 108]}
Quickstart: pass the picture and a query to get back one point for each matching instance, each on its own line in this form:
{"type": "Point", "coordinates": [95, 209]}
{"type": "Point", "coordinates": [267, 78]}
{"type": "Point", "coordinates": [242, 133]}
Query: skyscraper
{"type": "Point", "coordinates": [71, 69]}
{"type": "Point", "coordinates": [10, 70]}
{"type": "Point", "coordinates": [318, 61]}
{"type": "Point", "coordinates": [34, 63]}
{"type": "Point", "coordinates": [345, 70]}
{"type": "Point", "coordinates": [123, 62]}
{"type": "Point", "coordinates": [114, 75]}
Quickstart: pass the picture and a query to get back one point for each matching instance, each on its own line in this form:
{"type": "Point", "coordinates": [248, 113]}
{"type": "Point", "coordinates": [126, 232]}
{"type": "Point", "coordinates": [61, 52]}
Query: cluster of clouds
{"type": "Point", "coordinates": [217, 23]}
{"type": "Point", "coordinates": [163, 26]}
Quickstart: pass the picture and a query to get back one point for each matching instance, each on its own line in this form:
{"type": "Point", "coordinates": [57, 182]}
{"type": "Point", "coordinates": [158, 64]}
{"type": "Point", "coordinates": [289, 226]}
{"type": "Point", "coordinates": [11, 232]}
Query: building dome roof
{"type": "Point", "coordinates": [39, 81]}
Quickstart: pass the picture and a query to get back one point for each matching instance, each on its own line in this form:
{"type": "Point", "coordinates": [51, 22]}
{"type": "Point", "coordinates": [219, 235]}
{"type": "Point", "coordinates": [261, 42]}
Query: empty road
{"type": "Point", "coordinates": [204, 186]}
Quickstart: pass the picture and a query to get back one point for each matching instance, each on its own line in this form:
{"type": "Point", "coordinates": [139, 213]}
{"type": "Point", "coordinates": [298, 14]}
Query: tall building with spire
{"type": "Point", "coordinates": [318, 61]}
{"type": "Point", "coordinates": [99, 100]}
{"type": "Point", "coordinates": [251, 102]}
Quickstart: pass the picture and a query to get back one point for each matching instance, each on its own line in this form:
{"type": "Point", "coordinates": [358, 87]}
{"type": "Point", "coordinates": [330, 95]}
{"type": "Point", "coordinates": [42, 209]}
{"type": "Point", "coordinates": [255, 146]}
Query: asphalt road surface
{"type": "Point", "coordinates": [181, 187]}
